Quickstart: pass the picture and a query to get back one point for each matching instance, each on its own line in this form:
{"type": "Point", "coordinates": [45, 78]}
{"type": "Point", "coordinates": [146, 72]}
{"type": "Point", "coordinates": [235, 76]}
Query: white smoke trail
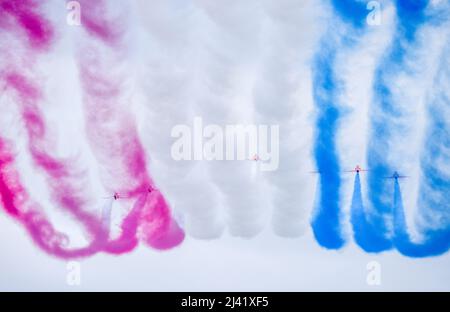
{"type": "Point", "coordinates": [169, 80]}
{"type": "Point", "coordinates": [282, 96]}
{"type": "Point", "coordinates": [230, 57]}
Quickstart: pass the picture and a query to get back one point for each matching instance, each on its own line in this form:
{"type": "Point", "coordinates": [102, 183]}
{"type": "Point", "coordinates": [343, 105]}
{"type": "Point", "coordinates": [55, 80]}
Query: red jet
{"type": "Point", "coordinates": [116, 196]}
{"type": "Point", "coordinates": [151, 189]}
{"type": "Point", "coordinates": [357, 169]}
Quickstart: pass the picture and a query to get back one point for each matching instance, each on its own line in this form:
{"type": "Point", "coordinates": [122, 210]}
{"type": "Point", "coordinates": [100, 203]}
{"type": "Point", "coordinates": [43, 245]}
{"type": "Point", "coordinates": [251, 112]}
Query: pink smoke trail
{"type": "Point", "coordinates": [39, 35]}
{"type": "Point", "coordinates": [114, 137]}
{"type": "Point", "coordinates": [58, 172]}
{"type": "Point", "coordinates": [150, 211]}
{"type": "Point", "coordinates": [26, 13]}
{"type": "Point", "coordinates": [12, 193]}
{"type": "Point", "coordinates": [59, 175]}
{"type": "Point", "coordinates": [18, 204]}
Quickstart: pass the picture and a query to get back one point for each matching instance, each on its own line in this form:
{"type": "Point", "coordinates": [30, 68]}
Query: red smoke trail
{"type": "Point", "coordinates": [25, 13]}
{"type": "Point", "coordinates": [15, 198]}
{"type": "Point", "coordinates": [18, 204]}
{"type": "Point", "coordinates": [59, 174]}
{"type": "Point", "coordinates": [10, 188]}
{"type": "Point", "coordinates": [114, 137]}
{"type": "Point", "coordinates": [150, 212]}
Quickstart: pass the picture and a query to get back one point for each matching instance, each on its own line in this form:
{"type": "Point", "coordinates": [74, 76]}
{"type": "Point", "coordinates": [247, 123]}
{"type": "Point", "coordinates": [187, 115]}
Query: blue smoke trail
{"type": "Point", "coordinates": [435, 242]}
{"type": "Point", "coordinates": [351, 11]}
{"type": "Point", "coordinates": [410, 16]}
{"type": "Point", "coordinates": [365, 233]}
{"type": "Point", "coordinates": [326, 222]}
{"type": "Point", "coordinates": [433, 203]}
